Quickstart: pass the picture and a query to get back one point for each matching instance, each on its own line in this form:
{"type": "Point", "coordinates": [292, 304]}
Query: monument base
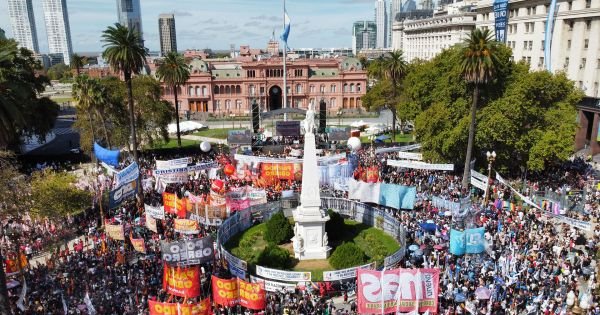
{"type": "Point", "coordinates": [310, 239]}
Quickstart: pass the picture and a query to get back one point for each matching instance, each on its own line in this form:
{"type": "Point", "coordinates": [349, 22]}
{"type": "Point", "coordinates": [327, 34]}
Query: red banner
{"type": "Point", "coordinates": [180, 281]}
{"type": "Point", "coordinates": [160, 308]}
{"type": "Point", "coordinates": [278, 171]}
{"type": "Point", "coordinates": [138, 244]}
{"type": "Point", "coordinates": [217, 185]}
{"type": "Point", "coordinates": [372, 174]}
{"type": "Point", "coordinates": [174, 205]}
{"type": "Point", "coordinates": [400, 290]}
{"type": "Point", "coordinates": [252, 295]}
{"type": "Point", "coordinates": [225, 292]}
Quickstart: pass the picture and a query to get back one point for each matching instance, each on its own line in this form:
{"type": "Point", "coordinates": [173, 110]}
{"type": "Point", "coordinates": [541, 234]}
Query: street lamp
{"type": "Point", "coordinates": [339, 115]}
{"type": "Point", "coordinates": [491, 157]}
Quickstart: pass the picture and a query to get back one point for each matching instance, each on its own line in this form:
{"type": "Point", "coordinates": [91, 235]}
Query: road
{"type": "Point", "coordinates": [66, 138]}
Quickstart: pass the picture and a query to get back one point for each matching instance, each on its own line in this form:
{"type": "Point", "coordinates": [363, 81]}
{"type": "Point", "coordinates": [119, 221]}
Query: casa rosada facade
{"type": "Point", "coordinates": [230, 87]}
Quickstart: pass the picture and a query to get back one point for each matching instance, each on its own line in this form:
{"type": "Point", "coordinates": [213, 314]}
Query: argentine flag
{"type": "Point", "coordinates": [286, 27]}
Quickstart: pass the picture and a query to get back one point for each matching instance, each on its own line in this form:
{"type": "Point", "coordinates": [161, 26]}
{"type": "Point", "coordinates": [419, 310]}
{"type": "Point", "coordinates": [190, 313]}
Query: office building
{"type": "Point", "coordinates": [23, 24]}
{"type": "Point", "coordinates": [2, 34]}
{"type": "Point", "coordinates": [409, 6]}
{"type": "Point", "coordinates": [167, 34]}
{"type": "Point", "coordinates": [382, 24]}
{"type": "Point", "coordinates": [130, 15]}
{"type": "Point", "coordinates": [364, 36]}
{"type": "Point", "coordinates": [58, 30]}
{"type": "Point", "coordinates": [395, 7]}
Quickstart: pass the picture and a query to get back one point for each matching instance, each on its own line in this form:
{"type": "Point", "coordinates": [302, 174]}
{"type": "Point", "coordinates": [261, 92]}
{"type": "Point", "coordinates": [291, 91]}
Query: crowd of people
{"type": "Point", "coordinates": [531, 265]}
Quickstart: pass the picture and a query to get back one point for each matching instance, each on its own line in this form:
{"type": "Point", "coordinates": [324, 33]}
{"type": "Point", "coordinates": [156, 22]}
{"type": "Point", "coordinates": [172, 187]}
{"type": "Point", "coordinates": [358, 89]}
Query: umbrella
{"type": "Point", "coordinates": [413, 247]}
{"type": "Point", "coordinates": [428, 227]}
{"type": "Point", "coordinates": [483, 293]}
{"type": "Point", "coordinates": [418, 252]}
{"type": "Point", "coordinates": [459, 297]}
{"type": "Point", "coordinates": [438, 247]}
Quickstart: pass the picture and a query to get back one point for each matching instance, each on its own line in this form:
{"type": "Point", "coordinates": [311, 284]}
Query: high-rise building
{"type": "Point", "coordinates": [409, 6]}
{"type": "Point", "coordinates": [23, 24]}
{"type": "Point", "coordinates": [130, 15]}
{"type": "Point", "coordinates": [364, 36]}
{"type": "Point", "coordinates": [395, 6]}
{"type": "Point", "coordinates": [166, 31]}
{"type": "Point", "coordinates": [382, 24]}
{"type": "Point", "coordinates": [56, 16]}
{"type": "Point", "coordinates": [2, 34]}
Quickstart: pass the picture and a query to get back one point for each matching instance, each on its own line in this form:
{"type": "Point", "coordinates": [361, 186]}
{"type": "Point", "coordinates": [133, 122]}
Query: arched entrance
{"type": "Point", "coordinates": [275, 97]}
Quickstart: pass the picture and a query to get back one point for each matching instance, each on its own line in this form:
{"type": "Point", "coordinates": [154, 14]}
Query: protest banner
{"type": "Point", "coordinates": [155, 212]}
{"type": "Point", "coordinates": [225, 292]}
{"type": "Point", "coordinates": [274, 286]}
{"type": "Point", "coordinates": [175, 163]}
{"type": "Point", "coordinates": [163, 308]}
{"type": "Point", "coordinates": [122, 193]}
{"type": "Point", "coordinates": [185, 226]}
{"type": "Point", "coordinates": [410, 156]}
{"type": "Point", "coordinates": [474, 241]}
{"type": "Point", "coordinates": [234, 261]}
{"type": "Point", "coordinates": [397, 290]}
{"type": "Point", "coordinates": [420, 165]}
{"type": "Point", "coordinates": [394, 258]}
{"type": "Point", "coordinates": [188, 252]}
{"type": "Point", "coordinates": [348, 273]}
{"type": "Point", "coordinates": [182, 281]}
{"type": "Point", "coordinates": [138, 245]}
{"type": "Point", "coordinates": [151, 223]}
{"type": "Point", "coordinates": [128, 174]}
{"type": "Point", "coordinates": [281, 275]}
{"type": "Point", "coordinates": [252, 295]}
{"type": "Point", "coordinates": [116, 232]}
{"type": "Point", "coordinates": [457, 242]}
{"type": "Point", "coordinates": [174, 205]}
{"type": "Point", "coordinates": [279, 171]}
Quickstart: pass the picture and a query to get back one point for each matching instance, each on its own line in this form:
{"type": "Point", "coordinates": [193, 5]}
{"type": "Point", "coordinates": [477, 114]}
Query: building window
{"type": "Point", "coordinates": [358, 87]}
{"type": "Point", "coordinates": [227, 104]}
{"type": "Point", "coordinates": [322, 88]}
{"type": "Point", "coordinates": [588, 24]}
{"type": "Point", "coordinates": [251, 89]}
{"type": "Point", "coordinates": [583, 63]}
{"type": "Point", "coordinates": [529, 60]}
{"type": "Point", "coordinates": [262, 90]}
{"type": "Point", "coordinates": [566, 62]}
{"type": "Point", "coordinates": [238, 89]}
{"type": "Point", "coordinates": [251, 74]}
{"type": "Point", "coordinates": [227, 90]}
{"type": "Point", "coordinates": [298, 87]}
{"type": "Point", "coordinates": [298, 72]}
{"type": "Point", "coordinates": [596, 88]}
{"type": "Point", "coordinates": [217, 105]}
{"type": "Point", "coordinates": [312, 89]}
{"type": "Point", "coordinates": [530, 45]}
{"type": "Point", "coordinates": [216, 90]}
{"type": "Point", "coordinates": [197, 90]}
{"type": "Point", "coordinates": [333, 88]}
{"type": "Point", "coordinates": [541, 62]}
{"type": "Point", "coordinates": [586, 43]}
{"type": "Point", "coordinates": [525, 45]}
{"type": "Point", "coordinates": [570, 25]}
{"type": "Point", "coordinates": [351, 87]}
{"type": "Point", "coordinates": [332, 103]}
{"type": "Point", "coordinates": [568, 44]}
{"type": "Point", "coordinates": [345, 87]}
{"type": "Point", "coordinates": [570, 5]}
{"type": "Point", "coordinates": [588, 4]}
{"type": "Point", "coordinates": [191, 90]}
{"type": "Point", "coordinates": [238, 104]}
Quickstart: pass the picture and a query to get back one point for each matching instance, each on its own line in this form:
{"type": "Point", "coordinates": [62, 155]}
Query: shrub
{"type": "Point", "coordinates": [333, 226]}
{"type": "Point", "coordinates": [347, 255]}
{"type": "Point", "coordinates": [279, 229]}
{"type": "Point", "coordinates": [275, 257]}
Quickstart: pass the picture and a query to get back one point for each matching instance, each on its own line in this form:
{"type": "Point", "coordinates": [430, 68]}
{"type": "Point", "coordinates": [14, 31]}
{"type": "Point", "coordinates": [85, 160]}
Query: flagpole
{"type": "Point", "coordinates": [284, 68]}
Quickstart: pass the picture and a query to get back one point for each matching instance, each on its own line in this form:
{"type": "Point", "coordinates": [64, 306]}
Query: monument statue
{"type": "Point", "coordinates": [325, 240]}
{"type": "Point", "coordinates": [309, 121]}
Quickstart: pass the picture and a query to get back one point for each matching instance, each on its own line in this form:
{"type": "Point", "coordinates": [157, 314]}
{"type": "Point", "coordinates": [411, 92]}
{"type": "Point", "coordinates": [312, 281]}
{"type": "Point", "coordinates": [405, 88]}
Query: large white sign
{"type": "Point", "coordinates": [394, 258]}
{"type": "Point", "coordinates": [176, 163]}
{"type": "Point", "coordinates": [234, 261]}
{"type": "Point", "coordinates": [410, 156]}
{"type": "Point", "coordinates": [421, 165]}
{"type": "Point", "coordinates": [399, 149]}
{"type": "Point", "coordinates": [347, 273]}
{"type": "Point", "coordinates": [155, 212]}
{"type": "Point", "coordinates": [130, 173]}
{"type": "Point", "coordinates": [274, 286]}
{"type": "Point", "coordinates": [282, 275]}
{"type": "Point", "coordinates": [259, 159]}
{"type": "Point", "coordinates": [478, 183]}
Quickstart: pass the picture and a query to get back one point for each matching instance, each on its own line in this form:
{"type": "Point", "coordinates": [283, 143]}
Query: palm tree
{"type": "Point", "coordinates": [125, 52]}
{"type": "Point", "coordinates": [83, 93]}
{"type": "Point", "coordinates": [478, 67]}
{"type": "Point", "coordinates": [392, 67]}
{"type": "Point", "coordinates": [77, 62]}
{"type": "Point", "coordinates": [174, 72]}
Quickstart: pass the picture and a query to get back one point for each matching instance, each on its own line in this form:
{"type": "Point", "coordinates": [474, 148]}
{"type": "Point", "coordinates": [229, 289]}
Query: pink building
{"type": "Point", "coordinates": [229, 87]}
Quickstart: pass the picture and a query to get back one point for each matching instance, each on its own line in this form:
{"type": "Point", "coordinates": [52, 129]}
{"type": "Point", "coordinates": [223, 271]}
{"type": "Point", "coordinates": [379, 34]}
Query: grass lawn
{"type": "Point", "coordinates": [408, 137]}
{"type": "Point", "coordinates": [218, 133]}
{"type": "Point", "coordinates": [173, 144]}
{"type": "Point", "coordinates": [60, 100]}
{"type": "Point", "coordinates": [374, 242]}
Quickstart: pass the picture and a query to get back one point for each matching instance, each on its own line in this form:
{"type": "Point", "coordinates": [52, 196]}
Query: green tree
{"type": "Point", "coordinates": [347, 255]}
{"type": "Point", "coordinates": [333, 226]}
{"type": "Point", "coordinates": [153, 115]}
{"type": "Point", "coordinates": [274, 256]}
{"type": "Point", "coordinates": [92, 101]}
{"type": "Point", "coordinates": [479, 63]}
{"type": "Point", "coordinates": [125, 53]}
{"type": "Point", "coordinates": [174, 72]}
{"type": "Point", "coordinates": [59, 71]}
{"type": "Point", "coordinates": [279, 229]}
{"type": "Point", "coordinates": [22, 112]}
{"type": "Point", "coordinates": [77, 62]}
{"type": "Point", "coordinates": [54, 194]}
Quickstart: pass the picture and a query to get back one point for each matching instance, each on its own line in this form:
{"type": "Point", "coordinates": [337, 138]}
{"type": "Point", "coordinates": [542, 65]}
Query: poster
{"type": "Point", "coordinates": [122, 193]}
{"type": "Point", "coordinates": [420, 165]}
{"type": "Point", "coordinates": [225, 291]}
{"type": "Point", "coordinates": [252, 295]}
{"type": "Point", "coordinates": [274, 286]}
{"type": "Point", "coordinates": [175, 163]}
{"type": "Point", "coordinates": [182, 281]}
{"type": "Point", "coordinates": [279, 171]}
{"type": "Point", "coordinates": [116, 232]}
{"type": "Point", "coordinates": [185, 226]}
{"type": "Point", "coordinates": [281, 275]}
{"type": "Point", "coordinates": [188, 252]}
{"type": "Point", "coordinates": [348, 273]}
{"type": "Point", "coordinates": [138, 245]}
{"type": "Point", "coordinates": [151, 223]}
{"type": "Point", "coordinates": [394, 258]}
{"type": "Point", "coordinates": [128, 174]}
{"type": "Point", "coordinates": [397, 290]}
{"type": "Point", "coordinates": [174, 205]}
{"type": "Point", "coordinates": [457, 242]}
{"type": "Point", "coordinates": [338, 133]}
{"type": "Point", "coordinates": [162, 308]}
{"type": "Point", "coordinates": [155, 212]}
{"type": "Point", "coordinates": [474, 241]}
{"type": "Point", "coordinates": [501, 19]}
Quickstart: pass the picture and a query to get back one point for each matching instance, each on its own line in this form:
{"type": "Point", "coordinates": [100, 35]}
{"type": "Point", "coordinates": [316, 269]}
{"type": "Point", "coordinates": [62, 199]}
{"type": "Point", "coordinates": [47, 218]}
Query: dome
{"type": "Point", "coordinates": [351, 64]}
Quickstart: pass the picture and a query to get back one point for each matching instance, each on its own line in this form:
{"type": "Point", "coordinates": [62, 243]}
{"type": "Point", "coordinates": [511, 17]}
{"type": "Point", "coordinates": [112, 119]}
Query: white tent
{"type": "Point", "coordinates": [185, 126]}
{"type": "Point", "coordinates": [358, 124]}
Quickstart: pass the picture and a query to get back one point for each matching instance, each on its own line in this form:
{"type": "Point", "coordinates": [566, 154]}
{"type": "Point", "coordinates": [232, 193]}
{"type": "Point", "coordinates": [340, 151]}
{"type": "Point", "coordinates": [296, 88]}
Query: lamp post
{"type": "Point", "coordinates": [339, 115]}
{"type": "Point", "coordinates": [491, 157]}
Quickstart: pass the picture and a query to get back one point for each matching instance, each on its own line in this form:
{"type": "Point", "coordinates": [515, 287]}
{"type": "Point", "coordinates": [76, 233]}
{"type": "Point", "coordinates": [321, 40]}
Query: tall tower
{"type": "Point", "coordinates": [382, 24]}
{"type": "Point", "coordinates": [130, 15]}
{"type": "Point", "coordinates": [364, 36]}
{"type": "Point", "coordinates": [166, 31]}
{"type": "Point", "coordinates": [58, 29]}
{"type": "Point", "coordinates": [23, 24]}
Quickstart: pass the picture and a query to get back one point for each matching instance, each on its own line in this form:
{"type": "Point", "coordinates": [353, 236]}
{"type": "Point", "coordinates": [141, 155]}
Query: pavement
{"type": "Point", "coordinates": [64, 136]}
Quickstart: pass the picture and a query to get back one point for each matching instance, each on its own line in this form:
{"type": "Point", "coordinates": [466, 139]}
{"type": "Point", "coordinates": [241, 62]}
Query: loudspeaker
{"type": "Point", "coordinates": [255, 117]}
{"type": "Point", "coordinates": [322, 116]}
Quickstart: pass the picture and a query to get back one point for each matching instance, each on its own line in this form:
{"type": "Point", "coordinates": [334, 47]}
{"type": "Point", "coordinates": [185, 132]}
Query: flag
{"type": "Point", "coordinates": [21, 301]}
{"type": "Point", "coordinates": [88, 304]}
{"type": "Point", "coordinates": [64, 303]}
{"type": "Point", "coordinates": [286, 28]}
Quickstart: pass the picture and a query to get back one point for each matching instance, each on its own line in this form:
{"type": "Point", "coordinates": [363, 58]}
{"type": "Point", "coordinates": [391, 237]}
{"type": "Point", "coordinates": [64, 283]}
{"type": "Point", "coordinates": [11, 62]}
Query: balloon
{"type": "Point", "coordinates": [205, 146]}
{"type": "Point", "coordinates": [354, 143]}
{"type": "Point", "coordinates": [229, 170]}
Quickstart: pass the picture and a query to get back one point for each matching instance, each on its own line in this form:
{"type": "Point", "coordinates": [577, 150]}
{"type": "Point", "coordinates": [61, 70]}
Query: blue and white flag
{"type": "Point", "coordinates": [286, 28]}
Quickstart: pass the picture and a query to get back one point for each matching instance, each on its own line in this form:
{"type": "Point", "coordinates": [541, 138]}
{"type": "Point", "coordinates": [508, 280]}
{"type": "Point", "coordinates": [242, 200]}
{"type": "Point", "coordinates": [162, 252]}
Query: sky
{"type": "Point", "coordinates": [214, 24]}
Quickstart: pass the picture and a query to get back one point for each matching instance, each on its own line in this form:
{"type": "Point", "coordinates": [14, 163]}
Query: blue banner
{"type": "Point", "coordinates": [474, 241]}
{"type": "Point", "coordinates": [397, 196]}
{"type": "Point", "coordinates": [107, 156]}
{"type": "Point", "coordinates": [501, 19]}
{"type": "Point", "coordinates": [548, 35]}
{"type": "Point", "coordinates": [131, 172]}
{"type": "Point", "coordinates": [122, 193]}
{"type": "Point", "coordinates": [457, 242]}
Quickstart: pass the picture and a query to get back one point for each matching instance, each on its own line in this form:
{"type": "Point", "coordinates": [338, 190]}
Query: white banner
{"type": "Point", "coordinates": [586, 226]}
{"type": "Point", "coordinates": [155, 212]}
{"type": "Point", "coordinates": [478, 183]}
{"type": "Point", "coordinates": [88, 303]}
{"type": "Point", "coordinates": [274, 286]}
{"type": "Point", "coordinates": [398, 149]}
{"type": "Point", "coordinates": [479, 176]}
{"type": "Point", "coordinates": [365, 192]}
{"type": "Point", "coordinates": [347, 273]}
{"type": "Point", "coordinates": [186, 169]}
{"type": "Point", "coordinates": [234, 261]}
{"type": "Point", "coordinates": [176, 163]}
{"type": "Point", "coordinates": [259, 159]}
{"type": "Point", "coordinates": [131, 172]}
{"type": "Point", "coordinates": [410, 156]}
{"type": "Point", "coordinates": [421, 165]}
{"type": "Point", "coordinates": [282, 275]}
{"type": "Point", "coordinates": [394, 258]}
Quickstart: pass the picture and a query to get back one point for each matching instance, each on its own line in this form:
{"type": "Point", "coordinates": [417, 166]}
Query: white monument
{"type": "Point", "coordinates": [310, 239]}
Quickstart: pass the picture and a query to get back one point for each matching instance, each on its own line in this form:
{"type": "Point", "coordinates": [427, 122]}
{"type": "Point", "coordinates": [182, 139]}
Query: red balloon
{"type": "Point", "coordinates": [229, 170]}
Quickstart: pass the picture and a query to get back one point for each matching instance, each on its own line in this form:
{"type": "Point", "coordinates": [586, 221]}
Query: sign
{"type": "Point", "coordinates": [116, 232]}
{"type": "Point", "coordinates": [278, 171]}
{"type": "Point", "coordinates": [252, 295]}
{"type": "Point", "coordinates": [188, 252]}
{"type": "Point", "coordinates": [239, 137]}
{"type": "Point", "coordinates": [151, 223]}
{"type": "Point", "coordinates": [182, 281]}
{"type": "Point", "coordinates": [161, 308]}
{"type": "Point", "coordinates": [281, 275]}
{"type": "Point", "coordinates": [234, 261]}
{"type": "Point", "coordinates": [155, 212]}
{"type": "Point", "coordinates": [122, 193]}
{"type": "Point", "coordinates": [457, 242]}
{"type": "Point", "coordinates": [185, 226]}
{"type": "Point", "coordinates": [501, 19]}
{"type": "Point", "coordinates": [176, 163]}
{"type": "Point", "coordinates": [225, 292]}
{"type": "Point", "coordinates": [274, 286]}
{"type": "Point", "coordinates": [397, 290]}
{"type": "Point", "coordinates": [175, 175]}
{"type": "Point", "coordinates": [410, 156]}
{"type": "Point", "coordinates": [138, 245]}
{"type": "Point", "coordinates": [174, 205]}
{"type": "Point", "coordinates": [338, 133]}
{"type": "Point", "coordinates": [288, 128]}
{"type": "Point", "coordinates": [421, 165]}
{"type": "Point", "coordinates": [394, 258]}
{"type": "Point", "coordinates": [128, 174]}
{"type": "Point", "coordinates": [348, 273]}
